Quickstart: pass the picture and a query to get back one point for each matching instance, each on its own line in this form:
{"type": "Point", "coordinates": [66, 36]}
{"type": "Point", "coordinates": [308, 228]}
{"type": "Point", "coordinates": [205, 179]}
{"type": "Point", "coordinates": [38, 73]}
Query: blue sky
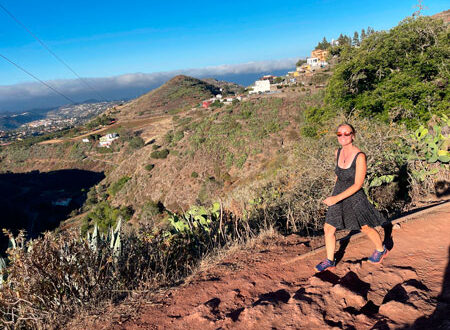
{"type": "Point", "coordinates": [105, 38]}
{"type": "Point", "coordinates": [108, 38]}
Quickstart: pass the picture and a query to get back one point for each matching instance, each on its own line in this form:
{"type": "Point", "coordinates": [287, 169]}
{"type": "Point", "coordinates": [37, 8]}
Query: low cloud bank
{"type": "Point", "coordinates": [33, 95]}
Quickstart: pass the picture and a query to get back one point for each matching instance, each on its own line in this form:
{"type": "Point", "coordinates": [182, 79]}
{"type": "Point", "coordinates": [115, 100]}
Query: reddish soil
{"type": "Point", "coordinates": [273, 286]}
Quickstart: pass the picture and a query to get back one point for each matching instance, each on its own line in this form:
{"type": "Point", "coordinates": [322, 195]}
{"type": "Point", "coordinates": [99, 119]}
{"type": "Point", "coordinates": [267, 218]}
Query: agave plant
{"type": "Point", "coordinates": [2, 269]}
{"type": "Point", "coordinates": [112, 239]}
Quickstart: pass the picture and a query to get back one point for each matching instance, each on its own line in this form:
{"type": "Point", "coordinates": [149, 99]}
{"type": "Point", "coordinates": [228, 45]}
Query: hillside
{"type": "Point", "coordinates": [445, 16]}
{"type": "Point", "coordinates": [178, 94]}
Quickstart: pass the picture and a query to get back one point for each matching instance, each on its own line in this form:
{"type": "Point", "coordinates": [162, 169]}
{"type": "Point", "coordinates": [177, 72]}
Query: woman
{"type": "Point", "coordinates": [348, 207]}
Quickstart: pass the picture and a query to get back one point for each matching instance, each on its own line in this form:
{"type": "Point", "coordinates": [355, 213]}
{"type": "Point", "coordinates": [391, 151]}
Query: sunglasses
{"type": "Point", "coordinates": [345, 133]}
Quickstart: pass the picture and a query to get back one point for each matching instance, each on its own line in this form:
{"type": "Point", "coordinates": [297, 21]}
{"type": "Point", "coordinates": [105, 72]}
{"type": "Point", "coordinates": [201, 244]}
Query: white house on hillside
{"type": "Point", "coordinates": [261, 86]}
{"type": "Point", "coordinates": [314, 62]}
{"type": "Point", "coordinates": [105, 141]}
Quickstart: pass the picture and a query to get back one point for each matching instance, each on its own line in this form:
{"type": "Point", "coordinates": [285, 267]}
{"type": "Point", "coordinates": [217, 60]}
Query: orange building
{"type": "Point", "coordinates": [320, 54]}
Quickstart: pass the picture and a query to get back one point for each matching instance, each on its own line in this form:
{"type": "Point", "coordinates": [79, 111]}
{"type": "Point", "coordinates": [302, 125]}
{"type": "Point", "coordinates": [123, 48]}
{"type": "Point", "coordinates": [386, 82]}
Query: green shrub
{"type": "Point", "coordinates": [168, 137]}
{"type": "Point", "coordinates": [216, 104]}
{"type": "Point", "coordinates": [99, 121]}
{"type": "Point", "coordinates": [160, 154]}
{"type": "Point", "coordinates": [184, 121]}
{"type": "Point", "coordinates": [149, 167]}
{"type": "Point", "coordinates": [194, 175]}
{"type": "Point", "coordinates": [117, 186]}
{"type": "Point", "coordinates": [104, 150]}
{"type": "Point", "coordinates": [203, 195]}
{"type": "Point", "coordinates": [229, 159]}
{"type": "Point", "coordinates": [106, 216]}
{"type": "Point", "coordinates": [149, 211]}
{"type": "Point", "coordinates": [136, 142]}
{"type": "Point", "coordinates": [105, 268]}
{"type": "Point", "coordinates": [309, 131]}
{"type": "Point", "coordinates": [178, 135]}
{"type": "Point", "coordinates": [241, 160]}
{"type": "Point", "coordinates": [91, 197]}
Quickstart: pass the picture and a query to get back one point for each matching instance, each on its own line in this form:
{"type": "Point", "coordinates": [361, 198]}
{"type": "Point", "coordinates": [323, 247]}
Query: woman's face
{"type": "Point", "coordinates": [344, 135]}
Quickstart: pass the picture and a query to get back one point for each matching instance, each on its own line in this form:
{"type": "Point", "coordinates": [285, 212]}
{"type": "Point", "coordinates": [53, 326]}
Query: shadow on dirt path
{"type": "Point", "coordinates": [440, 319]}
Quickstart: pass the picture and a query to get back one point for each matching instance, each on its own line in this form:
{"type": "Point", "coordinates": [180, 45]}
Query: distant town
{"type": "Point", "coordinates": [55, 120]}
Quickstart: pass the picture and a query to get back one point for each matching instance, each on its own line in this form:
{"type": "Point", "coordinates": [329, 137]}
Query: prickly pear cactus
{"type": "Point", "coordinates": [432, 145]}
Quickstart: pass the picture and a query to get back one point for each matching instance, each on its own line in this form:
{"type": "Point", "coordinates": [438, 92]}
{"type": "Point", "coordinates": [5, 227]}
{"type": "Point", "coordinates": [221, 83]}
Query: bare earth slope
{"type": "Point", "coordinates": [179, 93]}
{"type": "Point", "coordinates": [271, 287]}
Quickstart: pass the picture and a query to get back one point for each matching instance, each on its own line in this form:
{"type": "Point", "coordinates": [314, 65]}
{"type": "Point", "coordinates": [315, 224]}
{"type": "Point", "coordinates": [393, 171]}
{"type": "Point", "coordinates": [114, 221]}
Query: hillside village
{"type": "Point", "coordinates": [271, 84]}
{"type": "Point", "coordinates": [268, 84]}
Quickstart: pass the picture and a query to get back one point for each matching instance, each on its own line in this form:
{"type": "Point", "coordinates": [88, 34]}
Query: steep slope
{"type": "Point", "coordinates": [179, 93]}
{"type": "Point", "coordinates": [212, 152]}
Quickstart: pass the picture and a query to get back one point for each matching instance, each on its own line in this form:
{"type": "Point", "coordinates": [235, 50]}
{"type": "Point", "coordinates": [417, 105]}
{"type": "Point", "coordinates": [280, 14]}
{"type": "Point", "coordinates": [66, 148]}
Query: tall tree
{"type": "Point", "coordinates": [363, 35]}
{"type": "Point", "coordinates": [355, 41]}
{"type": "Point", "coordinates": [324, 44]}
{"type": "Point", "coordinates": [344, 40]}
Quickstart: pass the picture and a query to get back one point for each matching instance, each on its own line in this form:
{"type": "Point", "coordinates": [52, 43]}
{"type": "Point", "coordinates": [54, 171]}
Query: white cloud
{"type": "Point", "coordinates": [33, 94]}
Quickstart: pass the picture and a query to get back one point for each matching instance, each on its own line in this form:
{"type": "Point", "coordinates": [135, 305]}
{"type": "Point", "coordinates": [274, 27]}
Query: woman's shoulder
{"type": "Point", "coordinates": [360, 155]}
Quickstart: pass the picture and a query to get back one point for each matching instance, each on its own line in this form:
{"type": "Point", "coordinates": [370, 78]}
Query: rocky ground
{"type": "Point", "coordinates": [273, 286]}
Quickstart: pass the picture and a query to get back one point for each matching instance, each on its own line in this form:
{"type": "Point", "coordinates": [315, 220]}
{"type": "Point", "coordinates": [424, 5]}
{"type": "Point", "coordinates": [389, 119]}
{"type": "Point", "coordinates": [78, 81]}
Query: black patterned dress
{"type": "Point", "coordinates": [355, 211]}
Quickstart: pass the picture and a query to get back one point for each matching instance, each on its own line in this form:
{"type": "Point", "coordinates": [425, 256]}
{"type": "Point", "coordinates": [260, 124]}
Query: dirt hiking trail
{"type": "Point", "coordinates": [274, 287]}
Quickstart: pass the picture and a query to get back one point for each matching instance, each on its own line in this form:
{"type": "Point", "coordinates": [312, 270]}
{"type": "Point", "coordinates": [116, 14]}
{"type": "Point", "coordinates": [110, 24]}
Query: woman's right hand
{"type": "Point", "coordinates": [330, 200]}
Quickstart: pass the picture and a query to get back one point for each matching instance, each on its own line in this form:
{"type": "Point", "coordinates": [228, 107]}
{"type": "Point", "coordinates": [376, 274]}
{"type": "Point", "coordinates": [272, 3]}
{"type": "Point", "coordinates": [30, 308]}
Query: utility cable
{"type": "Point", "coordinates": [42, 82]}
{"type": "Point", "coordinates": [52, 52]}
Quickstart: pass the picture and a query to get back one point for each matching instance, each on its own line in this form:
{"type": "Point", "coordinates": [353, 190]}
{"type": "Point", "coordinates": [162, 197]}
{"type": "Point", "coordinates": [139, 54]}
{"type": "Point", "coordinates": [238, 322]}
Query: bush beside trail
{"type": "Point", "coordinates": [400, 75]}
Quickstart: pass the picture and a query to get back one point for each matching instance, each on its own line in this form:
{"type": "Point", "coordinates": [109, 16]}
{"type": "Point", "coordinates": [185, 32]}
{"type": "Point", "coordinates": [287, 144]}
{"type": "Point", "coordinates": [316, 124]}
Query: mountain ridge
{"type": "Point", "coordinates": [178, 94]}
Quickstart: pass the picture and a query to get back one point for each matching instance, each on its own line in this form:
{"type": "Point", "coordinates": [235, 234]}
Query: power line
{"type": "Point", "coordinates": [51, 52]}
{"type": "Point", "coordinates": [42, 82]}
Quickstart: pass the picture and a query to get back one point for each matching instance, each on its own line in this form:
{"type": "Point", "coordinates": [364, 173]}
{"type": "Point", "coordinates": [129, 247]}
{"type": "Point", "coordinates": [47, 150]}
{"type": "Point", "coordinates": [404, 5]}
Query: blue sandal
{"type": "Point", "coordinates": [326, 264]}
{"type": "Point", "coordinates": [377, 256]}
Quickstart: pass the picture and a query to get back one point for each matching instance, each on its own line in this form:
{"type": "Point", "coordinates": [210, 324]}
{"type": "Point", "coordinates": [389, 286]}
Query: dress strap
{"type": "Point", "coordinates": [338, 154]}
{"type": "Point", "coordinates": [356, 156]}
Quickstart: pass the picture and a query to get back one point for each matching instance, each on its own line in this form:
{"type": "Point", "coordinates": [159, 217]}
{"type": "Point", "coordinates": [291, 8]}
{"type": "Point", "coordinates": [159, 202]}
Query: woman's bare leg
{"type": "Point", "coordinates": [373, 236]}
{"type": "Point", "coordinates": [330, 240]}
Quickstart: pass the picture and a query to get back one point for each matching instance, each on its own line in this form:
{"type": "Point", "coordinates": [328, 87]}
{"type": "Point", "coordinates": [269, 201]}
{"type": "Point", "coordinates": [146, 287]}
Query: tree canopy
{"type": "Point", "coordinates": [400, 74]}
{"type": "Point", "coordinates": [324, 44]}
